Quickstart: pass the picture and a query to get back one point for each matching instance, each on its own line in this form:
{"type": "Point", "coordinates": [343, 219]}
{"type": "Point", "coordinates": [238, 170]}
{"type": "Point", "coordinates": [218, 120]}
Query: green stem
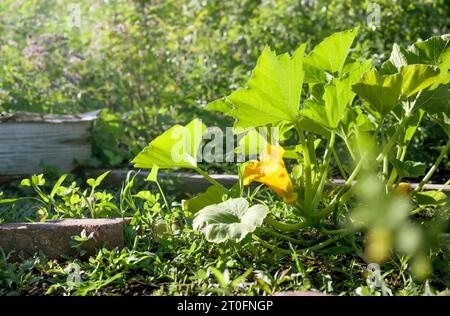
{"type": "Point", "coordinates": [326, 161]}
{"type": "Point", "coordinates": [329, 209]}
{"type": "Point", "coordinates": [444, 186]}
{"type": "Point", "coordinates": [319, 246]}
{"type": "Point", "coordinates": [434, 167]}
{"type": "Point", "coordinates": [210, 179]}
{"type": "Point", "coordinates": [401, 152]}
{"type": "Point", "coordinates": [285, 227]}
{"type": "Point", "coordinates": [334, 231]}
{"type": "Point", "coordinates": [339, 164]}
{"type": "Point", "coordinates": [318, 187]}
{"type": "Point", "coordinates": [385, 169]}
{"type": "Point", "coordinates": [281, 236]}
{"type": "Point", "coordinates": [267, 245]}
{"type": "Point", "coordinates": [349, 148]}
{"type": "Point", "coordinates": [392, 178]}
{"type": "Point", "coordinates": [419, 209]}
{"type": "Point", "coordinates": [391, 141]}
{"type": "Point", "coordinates": [308, 176]}
{"type": "Point", "coordinates": [163, 196]}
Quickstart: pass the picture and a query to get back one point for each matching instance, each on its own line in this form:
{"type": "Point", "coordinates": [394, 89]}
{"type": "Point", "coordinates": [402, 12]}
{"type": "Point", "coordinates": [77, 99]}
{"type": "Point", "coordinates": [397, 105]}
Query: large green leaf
{"type": "Point", "coordinates": [382, 92]}
{"type": "Point", "coordinates": [409, 168]}
{"type": "Point", "coordinates": [331, 108]}
{"type": "Point", "coordinates": [434, 100]}
{"type": "Point", "coordinates": [312, 126]}
{"type": "Point", "coordinates": [330, 54]}
{"type": "Point", "coordinates": [413, 125]}
{"type": "Point", "coordinates": [229, 220]}
{"type": "Point", "coordinates": [416, 78]}
{"type": "Point", "coordinates": [175, 148]}
{"type": "Point", "coordinates": [272, 93]}
{"type": "Point", "coordinates": [431, 198]}
{"type": "Point", "coordinates": [220, 105]}
{"type": "Point", "coordinates": [434, 51]}
{"type": "Point", "coordinates": [314, 75]}
{"type": "Point", "coordinates": [355, 121]}
{"type": "Point", "coordinates": [212, 195]}
{"type": "Point", "coordinates": [315, 111]}
{"type": "Point", "coordinates": [385, 92]}
{"type": "Point", "coordinates": [443, 119]}
{"type": "Point", "coordinates": [399, 58]}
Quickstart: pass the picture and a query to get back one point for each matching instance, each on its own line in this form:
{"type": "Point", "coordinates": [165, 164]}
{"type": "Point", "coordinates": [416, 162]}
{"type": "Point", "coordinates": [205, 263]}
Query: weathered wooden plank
{"type": "Point", "coordinates": [25, 146]}
{"type": "Point", "coordinates": [28, 117]}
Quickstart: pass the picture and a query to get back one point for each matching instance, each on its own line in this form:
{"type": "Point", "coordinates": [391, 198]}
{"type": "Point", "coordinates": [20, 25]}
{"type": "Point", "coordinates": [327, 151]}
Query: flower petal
{"type": "Point", "coordinates": [271, 171]}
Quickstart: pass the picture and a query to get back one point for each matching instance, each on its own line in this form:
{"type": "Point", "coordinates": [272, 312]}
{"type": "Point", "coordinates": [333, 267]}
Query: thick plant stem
{"type": "Point", "coordinates": [385, 172]}
{"type": "Point", "coordinates": [385, 167]}
{"type": "Point", "coordinates": [266, 244]}
{"type": "Point", "coordinates": [210, 179]}
{"type": "Point", "coordinates": [339, 164]}
{"type": "Point", "coordinates": [322, 177]}
{"type": "Point", "coordinates": [392, 178]}
{"type": "Point", "coordinates": [308, 176]}
{"type": "Point", "coordinates": [444, 186]}
{"type": "Point", "coordinates": [326, 161]}
{"type": "Point", "coordinates": [349, 147]}
{"type": "Point", "coordinates": [401, 152]}
{"type": "Point", "coordinates": [329, 209]}
{"type": "Point", "coordinates": [432, 170]}
{"type": "Point", "coordinates": [284, 237]}
{"type": "Point", "coordinates": [334, 231]}
{"type": "Point", "coordinates": [391, 142]}
{"type": "Point", "coordinates": [285, 227]}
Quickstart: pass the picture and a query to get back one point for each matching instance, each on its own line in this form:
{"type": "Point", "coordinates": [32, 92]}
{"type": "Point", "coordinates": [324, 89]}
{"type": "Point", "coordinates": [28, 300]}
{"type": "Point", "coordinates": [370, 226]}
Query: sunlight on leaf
{"type": "Point", "coordinates": [272, 93]}
{"type": "Point", "coordinates": [229, 220]}
{"type": "Point", "coordinates": [385, 92]}
{"type": "Point", "coordinates": [175, 148]}
{"type": "Point", "coordinates": [212, 195]}
{"type": "Point", "coordinates": [331, 53]}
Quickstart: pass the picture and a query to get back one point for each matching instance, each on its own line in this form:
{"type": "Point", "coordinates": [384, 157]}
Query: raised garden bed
{"type": "Point", "coordinates": [30, 140]}
{"type": "Point", "coordinates": [54, 238]}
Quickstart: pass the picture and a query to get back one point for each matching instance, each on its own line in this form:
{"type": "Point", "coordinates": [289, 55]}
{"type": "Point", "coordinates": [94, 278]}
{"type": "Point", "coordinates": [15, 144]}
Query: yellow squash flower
{"type": "Point", "coordinates": [403, 189]}
{"type": "Point", "coordinates": [271, 171]}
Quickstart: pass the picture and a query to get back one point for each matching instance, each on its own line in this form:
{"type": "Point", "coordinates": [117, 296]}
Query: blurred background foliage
{"type": "Point", "coordinates": [150, 64]}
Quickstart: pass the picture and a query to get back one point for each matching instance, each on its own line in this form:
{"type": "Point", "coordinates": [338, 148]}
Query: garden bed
{"type": "Point", "coordinates": [55, 238]}
{"type": "Point", "coordinates": [194, 183]}
{"type": "Point", "coordinates": [281, 224]}
{"type": "Point", "coordinates": [30, 142]}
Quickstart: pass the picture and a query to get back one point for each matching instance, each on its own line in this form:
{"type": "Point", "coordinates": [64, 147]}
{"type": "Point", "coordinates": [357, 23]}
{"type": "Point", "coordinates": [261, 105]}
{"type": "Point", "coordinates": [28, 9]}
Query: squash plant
{"type": "Point", "coordinates": [326, 97]}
